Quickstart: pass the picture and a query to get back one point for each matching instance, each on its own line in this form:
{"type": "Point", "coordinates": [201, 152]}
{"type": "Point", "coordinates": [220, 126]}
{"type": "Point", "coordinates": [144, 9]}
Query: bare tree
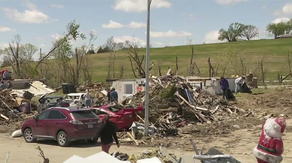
{"type": "Point", "coordinates": [111, 47]}
{"type": "Point", "coordinates": [15, 54]}
{"type": "Point", "coordinates": [263, 71]}
{"type": "Point", "coordinates": [212, 72]}
{"type": "Point", "coordinates": [121, 72]}
{"type": "Point", "coordinates": [250, 32]}
{"type": "Point", "coordinates": [193, 64]}
{"type": "Point", "coordinates": [81, 63]}
{"type": "Point", "coordinates": [136, 60]}
{"type": "Point", "coordinates": [19, 57]}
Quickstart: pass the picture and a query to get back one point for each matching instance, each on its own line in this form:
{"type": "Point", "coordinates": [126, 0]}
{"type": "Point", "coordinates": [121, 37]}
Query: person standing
{"type": "Point", "coordinates": [238, 83]}
{"type": "Point", "coordinates": [9, 85]}
{"type": "Point", "coordinates": [109, 96]}
{"type": "Point", "coordinates": [108, 135]}
{"type": "Point", "coordinates": [270, 146]}
{"type": "Point", "coordinates": [3, 86]}
{"type": "Point", "coordinates": [5, 74]}
{"type": "Point", "coordinates": [87, 98]}
{"type": "Point", "coordinates": [224, 86]}
{"type": "Point", "coordinates": [114, 96]}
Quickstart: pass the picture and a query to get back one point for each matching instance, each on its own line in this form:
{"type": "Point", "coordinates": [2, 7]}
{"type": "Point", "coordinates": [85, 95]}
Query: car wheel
{"type": "Point", "coordinates": [92, 140]}
{"type": "Point", "coordinates": [62, 139]}
{"type": "Point", "coordinates": [28, 135]}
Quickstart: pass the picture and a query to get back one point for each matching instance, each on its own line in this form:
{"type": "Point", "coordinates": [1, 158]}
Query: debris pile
{"type": "Point", "coordinates": [175, 103]}
{"type": "Point", "coordinates": [161, 154]}
{"type": "Point", "coordinates": [7, 104]}
{"type": "Point", "coordinates": [14, 109]}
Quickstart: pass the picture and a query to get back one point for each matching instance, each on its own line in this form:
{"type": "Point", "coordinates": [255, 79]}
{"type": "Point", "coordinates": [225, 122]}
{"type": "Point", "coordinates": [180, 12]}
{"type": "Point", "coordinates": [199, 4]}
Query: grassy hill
{"type": "Point", "coordinates": [273, 53]}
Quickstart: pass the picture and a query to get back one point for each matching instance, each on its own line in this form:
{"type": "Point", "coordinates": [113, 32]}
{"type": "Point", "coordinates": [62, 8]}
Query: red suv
{"type": "Point", "coordinates": [64, 125]}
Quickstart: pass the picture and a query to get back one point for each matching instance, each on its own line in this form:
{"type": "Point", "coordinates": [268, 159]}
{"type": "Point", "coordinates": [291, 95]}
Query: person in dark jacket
{"type": "Point", "coordinates": [224, 86]}
{"type": "Point", "coordinates": [114, 95]}
{"type": "Point", "coordinates": [109, 96]}
{"type": "Point", "coordinates": [108, 135]}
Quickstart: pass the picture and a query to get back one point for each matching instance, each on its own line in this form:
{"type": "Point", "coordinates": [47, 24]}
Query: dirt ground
{"type": "Point", "coordinates": [236, 134]}
{"type": "Point", "coordinates": [239, 144]}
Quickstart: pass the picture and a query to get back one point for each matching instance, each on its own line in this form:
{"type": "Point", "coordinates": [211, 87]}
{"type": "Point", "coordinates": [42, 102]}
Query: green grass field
{"type": "Point", "coordinates": [274, 54]}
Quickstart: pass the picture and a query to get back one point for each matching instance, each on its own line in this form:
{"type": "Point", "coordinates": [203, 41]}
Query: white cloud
{"type": "Point", "coordinates": [31, 15]}
{"type": "Point", "coordinates": [286, 10]}
{"type": "Point", "coordinates": [4, 45]}
{"type": "Point", "coordinates": [122, 39]}
{"type": "Point", "coordinates": [228, 2]}
{"type": "Point", "coordinates": [113, 24]}
{"type": "Point", "coordinates": [56, 6]}
{"type": "Point", "coordinates": [4, 29]}
{"type": "Point", "coordinates": [56, 36]}
{"type": "Point", "coordinates": [191, 16]}
{"type": "Point", "coordinates": [279, 20]}
{"type": "Point", "coordinates": [212, 37]}
{"type": "Point", "coordinates": [170, 33]}
{"type": "Point", "coordinates": [42, 45]}
{"type": "Point", "coordinates": [264, 7]}
{"type": "Point", "coordinates": [136, 25]}
{"type": "Point", "coordinates": [139, 5]}
{"type": "Point", "coordinates": [159, 44]}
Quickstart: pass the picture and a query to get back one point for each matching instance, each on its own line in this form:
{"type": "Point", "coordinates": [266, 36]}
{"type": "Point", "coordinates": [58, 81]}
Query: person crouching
{"type": "Point", "coordinates": [270, 147]}
{"type": "Point", "coordinates": [108, 135]}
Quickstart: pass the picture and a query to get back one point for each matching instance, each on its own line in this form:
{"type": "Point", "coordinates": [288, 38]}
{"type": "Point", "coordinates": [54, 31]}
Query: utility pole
{"type": "Point", "coordinates": [147, 69]}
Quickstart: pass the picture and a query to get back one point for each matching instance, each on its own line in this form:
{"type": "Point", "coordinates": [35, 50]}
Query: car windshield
{"type": "Point", "coordinates": [115, 108]}
{"type": "Point", "coordinates": [55, 99]}
{"type": "Point", "coordinates": [84, 114]}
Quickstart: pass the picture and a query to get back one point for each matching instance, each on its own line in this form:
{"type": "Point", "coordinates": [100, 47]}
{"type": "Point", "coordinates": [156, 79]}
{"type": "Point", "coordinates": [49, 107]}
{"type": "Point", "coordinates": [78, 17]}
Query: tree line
{"type": "Point", "coordinates": [62, 63]}
{"type": "Point", "coordinates": [237, 31]}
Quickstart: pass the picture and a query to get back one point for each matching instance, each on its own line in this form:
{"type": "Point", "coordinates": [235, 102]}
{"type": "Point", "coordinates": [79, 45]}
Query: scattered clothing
{"type": "Point", "coordinates": [270, 146]}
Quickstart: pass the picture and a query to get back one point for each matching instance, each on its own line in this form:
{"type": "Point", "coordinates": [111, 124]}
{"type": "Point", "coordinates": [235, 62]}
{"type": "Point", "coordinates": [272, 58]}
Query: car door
{"type": "Point", "coordinates": [41, 124]}
{"type": "Point", "coordinates": [56, 121]}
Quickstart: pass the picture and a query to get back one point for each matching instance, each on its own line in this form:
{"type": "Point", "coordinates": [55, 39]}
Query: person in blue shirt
{"type": "Point", "coordinates": [224, 86]}
{"type": "Point", "coordinates": [114, 96]}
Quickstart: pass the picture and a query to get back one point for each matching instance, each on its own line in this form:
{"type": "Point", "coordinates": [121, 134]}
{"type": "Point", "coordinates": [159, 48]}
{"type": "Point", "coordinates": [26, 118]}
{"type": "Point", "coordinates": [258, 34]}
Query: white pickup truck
{"type": "Point", "coordinates": [76, 99]}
